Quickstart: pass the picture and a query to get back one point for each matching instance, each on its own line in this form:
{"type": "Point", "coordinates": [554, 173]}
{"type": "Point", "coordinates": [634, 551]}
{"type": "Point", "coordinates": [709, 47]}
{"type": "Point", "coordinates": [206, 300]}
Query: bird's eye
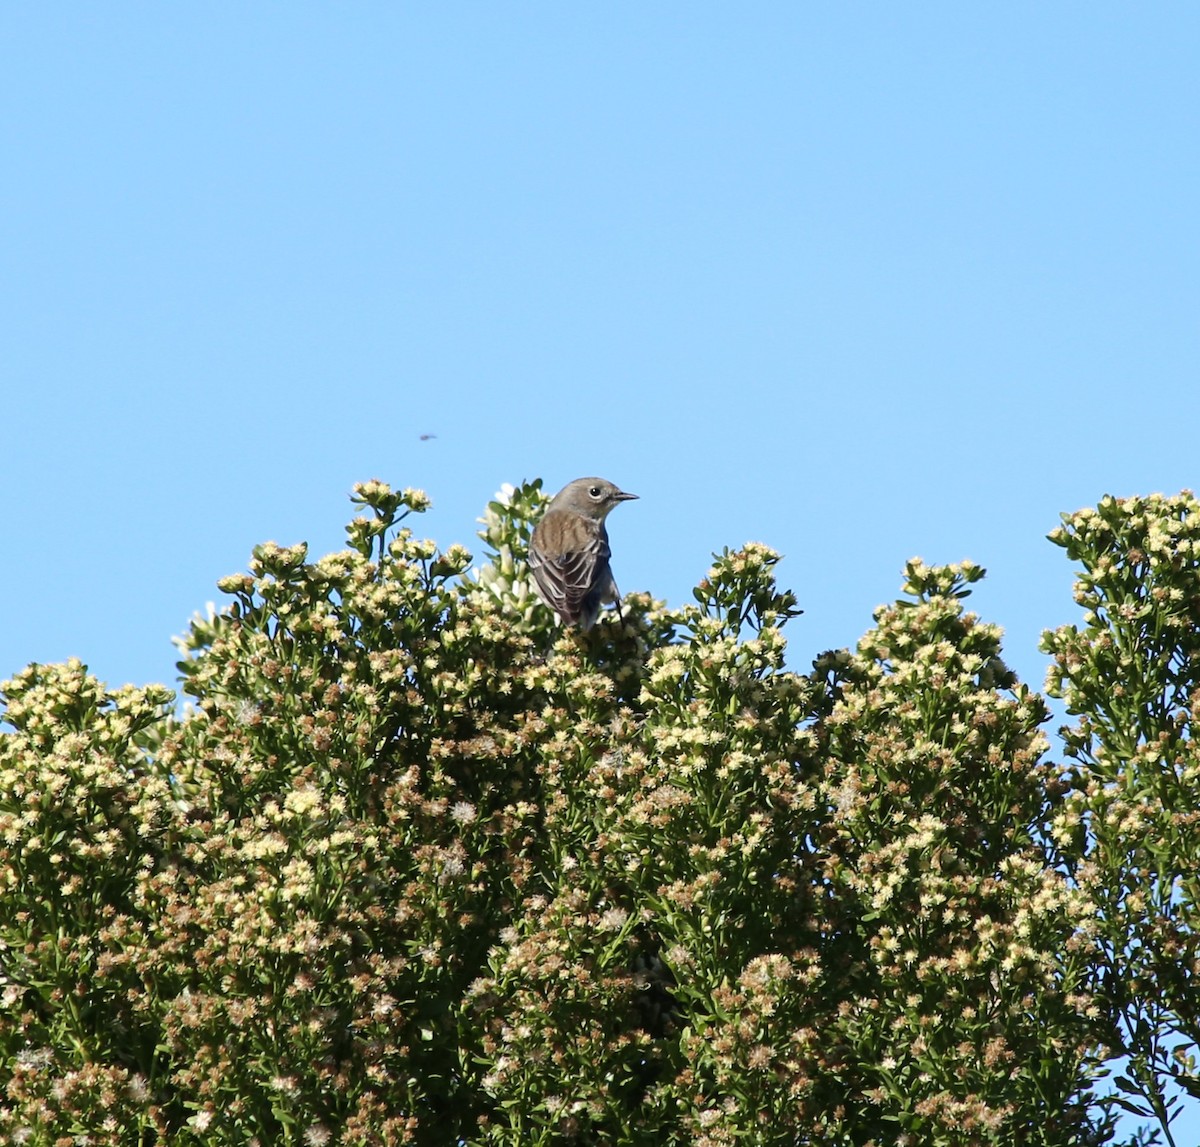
{"type": "Point", "coordinates": [594, 491]}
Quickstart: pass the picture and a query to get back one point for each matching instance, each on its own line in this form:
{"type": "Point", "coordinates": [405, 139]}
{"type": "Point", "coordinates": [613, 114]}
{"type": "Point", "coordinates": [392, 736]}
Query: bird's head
{"type": "Point", "coordinates": [591, 497]}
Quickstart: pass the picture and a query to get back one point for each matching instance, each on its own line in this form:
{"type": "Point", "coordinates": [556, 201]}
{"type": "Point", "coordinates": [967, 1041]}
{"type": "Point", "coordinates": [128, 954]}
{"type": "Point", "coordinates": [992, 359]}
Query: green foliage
{"type": "Point", "coordinates": [84, 819]}
{"type": "Point", "coordinates": [937, 793]}
{"type": "Point", "coordinates": [417, 867]}
{"type": "Point", "coordinates": [1130, 677]}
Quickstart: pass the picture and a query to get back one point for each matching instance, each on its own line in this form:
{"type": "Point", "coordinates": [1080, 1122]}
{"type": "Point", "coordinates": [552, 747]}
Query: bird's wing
{"type": "Point", "coordinates": [567, 578]}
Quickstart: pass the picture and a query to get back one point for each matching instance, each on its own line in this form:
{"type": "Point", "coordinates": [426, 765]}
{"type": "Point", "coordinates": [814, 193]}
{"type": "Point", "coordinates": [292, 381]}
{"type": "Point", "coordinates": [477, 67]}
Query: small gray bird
{"type": "Point", "coordinates": [569, 552]}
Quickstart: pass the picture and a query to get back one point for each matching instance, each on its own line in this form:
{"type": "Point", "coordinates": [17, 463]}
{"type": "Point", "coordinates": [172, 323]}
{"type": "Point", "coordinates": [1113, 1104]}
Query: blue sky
{"type": "Point", "coordinates": [858, 281]}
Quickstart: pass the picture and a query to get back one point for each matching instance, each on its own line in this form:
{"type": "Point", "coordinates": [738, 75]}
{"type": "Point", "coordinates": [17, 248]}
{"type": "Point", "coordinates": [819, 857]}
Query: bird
{"type": "Point", "coordinates": [568, 553]}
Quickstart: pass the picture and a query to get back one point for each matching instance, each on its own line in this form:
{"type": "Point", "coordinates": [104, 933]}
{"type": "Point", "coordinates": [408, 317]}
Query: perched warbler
{"type": "Point", "coordinates": [569, 552]}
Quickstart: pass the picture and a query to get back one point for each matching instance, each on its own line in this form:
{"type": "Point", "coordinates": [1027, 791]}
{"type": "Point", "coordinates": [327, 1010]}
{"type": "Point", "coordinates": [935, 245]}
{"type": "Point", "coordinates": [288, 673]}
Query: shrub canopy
{"type": "Point", "coordinates": [417, 866]}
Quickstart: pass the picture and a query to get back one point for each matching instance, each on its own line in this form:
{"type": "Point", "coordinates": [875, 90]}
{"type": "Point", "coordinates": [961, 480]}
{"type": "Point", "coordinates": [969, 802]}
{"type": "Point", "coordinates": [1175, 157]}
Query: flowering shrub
{"type": "Point", "coordinates": [1130, 676]}
{"type": "Point", "coordinates": [418, 867]}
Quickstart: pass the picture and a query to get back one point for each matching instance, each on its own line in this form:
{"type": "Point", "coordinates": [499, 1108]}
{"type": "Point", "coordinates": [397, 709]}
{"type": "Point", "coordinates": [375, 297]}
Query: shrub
{"type": "Point", "coordinates": [417, 866]}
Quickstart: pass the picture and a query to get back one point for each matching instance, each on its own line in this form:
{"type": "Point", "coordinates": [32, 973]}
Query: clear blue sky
{"type": "Point", "coordinates": [861, 281]}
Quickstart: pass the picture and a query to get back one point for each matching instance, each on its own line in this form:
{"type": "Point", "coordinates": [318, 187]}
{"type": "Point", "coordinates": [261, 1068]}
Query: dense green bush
{"type": "Point", "coordinates": [416, 866]}
{"type": "Point", "coordinates": [1131, 676]}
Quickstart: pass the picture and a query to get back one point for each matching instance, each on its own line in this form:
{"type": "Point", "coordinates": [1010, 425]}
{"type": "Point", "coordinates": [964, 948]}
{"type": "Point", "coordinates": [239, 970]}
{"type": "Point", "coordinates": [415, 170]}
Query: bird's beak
{"type": "Point", "coordinates": [621, 496]}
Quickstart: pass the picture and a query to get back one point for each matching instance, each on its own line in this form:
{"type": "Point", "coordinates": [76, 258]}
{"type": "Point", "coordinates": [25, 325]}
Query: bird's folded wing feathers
{"type": "Point", "coordinates": [567, 579]}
